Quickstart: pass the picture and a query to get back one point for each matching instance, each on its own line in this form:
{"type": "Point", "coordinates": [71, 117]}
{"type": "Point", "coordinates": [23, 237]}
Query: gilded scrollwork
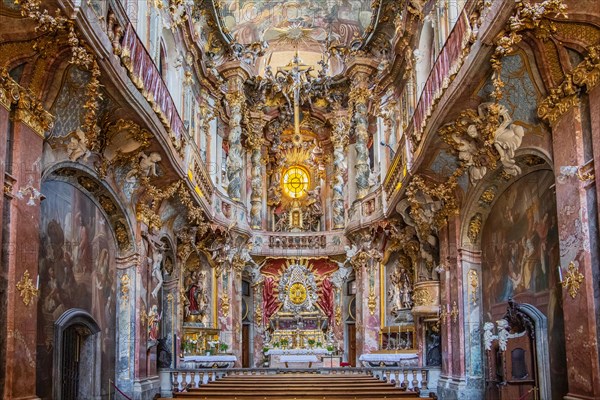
{"type": "Point", "coordinates": [26, 289]}
{"type": "Point", "coordinates": [527, 16]}
{"type": "Point", "coordinates": [475, 225]}
{"type": "Point", "coordinates": [29, 109]}
{"type": "Point", "coordinates": [583, 78]}
{"type": "Point", "coordinates": [422, 297]}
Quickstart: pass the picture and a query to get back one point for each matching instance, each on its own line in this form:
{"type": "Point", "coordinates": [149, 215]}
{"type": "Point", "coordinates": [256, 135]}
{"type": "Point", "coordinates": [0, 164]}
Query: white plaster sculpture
{"type": "Point", "coordinates": [503, 333]}
{"type": "Point", "coordinates": [77, 146]}
{"type": "Point", "coordinates": [488, 335]}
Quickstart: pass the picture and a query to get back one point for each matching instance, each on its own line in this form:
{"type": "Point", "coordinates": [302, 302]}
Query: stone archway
{"type": "Point", "coordinates": [509, 249]}
{"type": "Point", "coordinates": [77, 354]}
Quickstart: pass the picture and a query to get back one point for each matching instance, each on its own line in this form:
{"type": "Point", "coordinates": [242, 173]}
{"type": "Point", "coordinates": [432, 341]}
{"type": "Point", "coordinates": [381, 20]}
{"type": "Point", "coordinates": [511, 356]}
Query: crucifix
{"type": "Point", "coordinates": [295, 69]}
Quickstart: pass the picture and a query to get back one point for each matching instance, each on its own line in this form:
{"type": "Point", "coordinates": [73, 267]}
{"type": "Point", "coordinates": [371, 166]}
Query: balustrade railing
{"type": "Point", "coordinates": [446, 66]}
{"type": "Point", "coordinates": [415, 379]}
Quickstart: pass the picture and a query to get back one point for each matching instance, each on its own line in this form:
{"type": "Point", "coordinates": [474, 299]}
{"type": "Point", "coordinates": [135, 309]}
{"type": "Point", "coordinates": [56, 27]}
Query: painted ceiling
{"type": "Point", "coordinates": [295, 22]}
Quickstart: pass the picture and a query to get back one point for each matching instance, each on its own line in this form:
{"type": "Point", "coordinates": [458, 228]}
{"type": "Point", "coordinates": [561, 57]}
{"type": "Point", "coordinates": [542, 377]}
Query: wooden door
{"type": "Point", "coordinates": [245, 346]}
{"type": "Point", "coordinates": [352, 344]}
{"type": "Point", "coordinates": [70, 363]}
{"type": "Point", "coordinates": [519, 370]}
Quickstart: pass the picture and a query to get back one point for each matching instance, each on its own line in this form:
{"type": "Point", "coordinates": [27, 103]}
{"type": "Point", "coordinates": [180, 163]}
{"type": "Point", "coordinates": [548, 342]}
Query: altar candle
{"type": "Point", "coordinates": [37, 283]}
{"type": "Point", "coordinates": [559, 274]}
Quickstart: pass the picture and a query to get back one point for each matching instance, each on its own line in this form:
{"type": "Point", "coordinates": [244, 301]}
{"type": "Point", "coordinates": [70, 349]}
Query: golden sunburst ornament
{"type": "Point", "coordinates": [297, 293]}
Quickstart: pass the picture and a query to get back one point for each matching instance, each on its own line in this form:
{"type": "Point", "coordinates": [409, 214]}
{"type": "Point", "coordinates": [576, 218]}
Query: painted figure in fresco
{"type": "Point", "coordinates": [83, 263]}
{"type": "Point", "coordinates": [153, 319]}
{"type": "Point", "coordinates": [99, 284]}
{"type": "Point", "coordinates": [514, 277]}
{"type": "Point", "coordinates": [52, 299]}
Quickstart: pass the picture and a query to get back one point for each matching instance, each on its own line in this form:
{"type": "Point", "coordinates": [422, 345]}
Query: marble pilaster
{"type": "Point", "coordinates": [366, 265]}
{"type": "Point", "coordinates": [229, 308]}
{"type": "Point", "coordinates": [22, 261]}
{"type": "Point", "coordinates": [125, 353]}
{"type": "Point", "coordinates": [574, 206]}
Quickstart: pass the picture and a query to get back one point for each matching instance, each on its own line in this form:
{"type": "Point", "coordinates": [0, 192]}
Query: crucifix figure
{"type": "Point", "coordinates": [296, 70]}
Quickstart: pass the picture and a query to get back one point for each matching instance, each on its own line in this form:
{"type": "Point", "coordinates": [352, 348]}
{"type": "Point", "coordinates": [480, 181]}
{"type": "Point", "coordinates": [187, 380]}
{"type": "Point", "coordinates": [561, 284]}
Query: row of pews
{"type": "Point", "coordinates": [305, 386]}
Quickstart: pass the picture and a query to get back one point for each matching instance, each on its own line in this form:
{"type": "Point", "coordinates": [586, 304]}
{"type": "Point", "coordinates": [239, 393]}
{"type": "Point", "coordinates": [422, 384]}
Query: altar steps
{"type": "Point", "coordinates": [297, 386]}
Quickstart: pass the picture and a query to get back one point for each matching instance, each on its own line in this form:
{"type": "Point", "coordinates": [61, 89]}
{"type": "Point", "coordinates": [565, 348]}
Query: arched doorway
{"type": "Point", "coordinates": [519, 260]}
{"type": "Point", "coordinates": [77, 355]}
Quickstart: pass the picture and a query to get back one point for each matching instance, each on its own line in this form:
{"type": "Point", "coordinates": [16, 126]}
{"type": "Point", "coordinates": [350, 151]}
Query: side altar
{"type": "Point", "coordinates": [298, 332]}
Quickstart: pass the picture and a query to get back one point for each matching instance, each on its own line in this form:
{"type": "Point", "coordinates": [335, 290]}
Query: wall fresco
{"type": "Point", "coordinates": [77, 270]}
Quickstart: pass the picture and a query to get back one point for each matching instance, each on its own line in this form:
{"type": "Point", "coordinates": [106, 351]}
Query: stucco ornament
{"type": "Point", "coordinates": [503, 333]}
{"type": "Point", "coordinates": [298, 289]}
{"type": "Point", "coordinates": [488, 335]}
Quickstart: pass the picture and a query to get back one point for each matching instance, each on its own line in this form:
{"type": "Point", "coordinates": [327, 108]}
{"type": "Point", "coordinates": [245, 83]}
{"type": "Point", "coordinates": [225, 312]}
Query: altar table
{"type": "Point", "coordinates": [298, 359]}
{"type": "Point", "coordinates": [406, 359]}
{"type": "Point", "coordinates": [278, 357]}
{"type": "Point", "coordinates": [214, 361]}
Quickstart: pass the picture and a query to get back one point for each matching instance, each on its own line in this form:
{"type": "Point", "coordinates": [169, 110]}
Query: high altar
{"type": "Point", "coordinates": [298, 332]}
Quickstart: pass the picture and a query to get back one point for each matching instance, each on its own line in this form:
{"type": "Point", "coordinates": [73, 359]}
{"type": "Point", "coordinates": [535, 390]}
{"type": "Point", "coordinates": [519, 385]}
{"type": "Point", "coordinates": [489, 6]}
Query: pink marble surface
{"type": "Point", "coordinates": [580, 332]}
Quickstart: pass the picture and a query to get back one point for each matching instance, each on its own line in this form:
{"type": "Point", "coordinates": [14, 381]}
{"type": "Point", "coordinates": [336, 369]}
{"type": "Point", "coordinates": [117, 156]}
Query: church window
{"type": "Point", "coordinates": [295, 182]}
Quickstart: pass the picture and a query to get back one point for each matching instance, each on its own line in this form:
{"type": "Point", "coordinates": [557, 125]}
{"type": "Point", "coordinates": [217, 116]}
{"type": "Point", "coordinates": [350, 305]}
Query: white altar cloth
{"type": "Point", "coordinates": [299, 359]}
{"type": "Point", "coordinates": [297, 351]}
{"type": "Point", "coordinates": [217, 358]}
{"type": "Point", "coordinates": [389, 359]}
{"type": "Point", "coordinates": [214, 361]}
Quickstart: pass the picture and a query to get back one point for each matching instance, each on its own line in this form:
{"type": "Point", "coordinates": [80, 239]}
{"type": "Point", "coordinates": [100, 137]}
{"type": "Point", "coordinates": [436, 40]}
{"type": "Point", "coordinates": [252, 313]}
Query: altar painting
{"type": "Point", "coordinates": [76, 269]}
{"type": "Point", "coordinates": [520, 259]}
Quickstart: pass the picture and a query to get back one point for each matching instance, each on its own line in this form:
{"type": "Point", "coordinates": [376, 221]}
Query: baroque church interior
{"type": "Point", "coordinates": [311, 199]}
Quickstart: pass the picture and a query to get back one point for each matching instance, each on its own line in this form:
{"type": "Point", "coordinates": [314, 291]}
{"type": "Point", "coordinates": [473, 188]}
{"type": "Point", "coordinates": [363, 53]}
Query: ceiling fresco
{"type": "Point", "coordinates": [300, 22]}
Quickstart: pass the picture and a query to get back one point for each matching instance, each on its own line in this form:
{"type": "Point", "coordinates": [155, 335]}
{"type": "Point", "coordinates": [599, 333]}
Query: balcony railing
{"type": "Point", "coordinates": [446, 66]}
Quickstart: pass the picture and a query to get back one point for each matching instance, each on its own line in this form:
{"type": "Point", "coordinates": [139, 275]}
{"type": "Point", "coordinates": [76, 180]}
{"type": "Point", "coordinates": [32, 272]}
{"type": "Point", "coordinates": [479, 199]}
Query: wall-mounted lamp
{"type": "Point", "coordinates": [392, 151]}
{"type": "Point", "coordinates": [584, 173]}
{"type": "Point", "coordinates": [573, 279]}
{"type": "Point", "coordinates": [32, 192]}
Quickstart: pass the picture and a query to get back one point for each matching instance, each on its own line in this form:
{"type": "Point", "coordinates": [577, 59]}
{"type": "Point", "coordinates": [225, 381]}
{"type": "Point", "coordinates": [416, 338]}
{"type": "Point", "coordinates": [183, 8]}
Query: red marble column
{"type": "Point", "coordinates": [4, 115]}
{"type": "Point", "coordinates": [453, 363]}
{"type": "Point", "coordinates": [23, 258]}
{"type": "Point", "coordinates": [229, 309]}
{"type": "Point", "coordinates": [594, 99]}
{"type": "Point", "coordinates": [573, 209]}
{"type": "Point", "coordinates": [367, 309]}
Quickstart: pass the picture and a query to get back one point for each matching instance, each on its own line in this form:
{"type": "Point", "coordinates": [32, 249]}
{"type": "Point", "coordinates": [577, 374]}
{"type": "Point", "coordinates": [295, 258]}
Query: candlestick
{"type": "Point", "coordinates": [560, 277]}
